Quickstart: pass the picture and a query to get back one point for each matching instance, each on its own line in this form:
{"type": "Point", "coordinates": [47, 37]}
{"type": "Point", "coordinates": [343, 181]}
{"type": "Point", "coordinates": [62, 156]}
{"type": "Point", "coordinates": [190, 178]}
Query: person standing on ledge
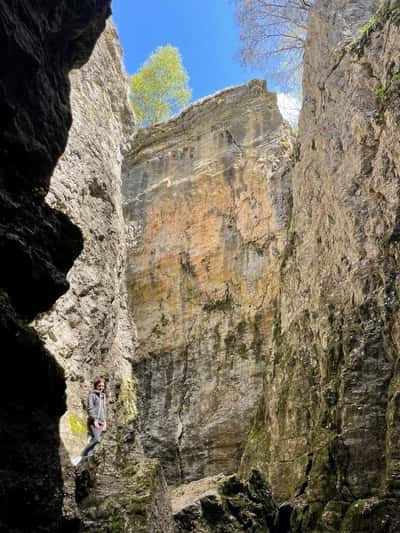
{"type": "Point", "coordinates": [97, 424]}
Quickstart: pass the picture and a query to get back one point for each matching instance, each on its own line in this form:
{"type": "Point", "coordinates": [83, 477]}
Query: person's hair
{"type": "Point", "coordinates": [97, 381]}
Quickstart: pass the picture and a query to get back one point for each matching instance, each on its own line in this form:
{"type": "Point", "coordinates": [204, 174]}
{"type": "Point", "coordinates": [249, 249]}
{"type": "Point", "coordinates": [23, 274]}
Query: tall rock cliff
{"type": "Point", "coordinates": [89, 330]}
{"type": "Point", "coordinates": [41, 42]}
{"type": "Point", "coordinates": [206, 203]}
{"type": "Point", "coordinates": [314, 311]}
{"type": "Point", "coordinates": [87, 327]}
{"type": "Point", "coordinates": [327, 431]}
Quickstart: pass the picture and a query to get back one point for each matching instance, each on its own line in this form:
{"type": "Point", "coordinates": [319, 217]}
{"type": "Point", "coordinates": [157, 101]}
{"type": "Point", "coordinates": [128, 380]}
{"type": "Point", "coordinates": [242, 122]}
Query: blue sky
{"type": "Point", "coordinates": [205, 31]}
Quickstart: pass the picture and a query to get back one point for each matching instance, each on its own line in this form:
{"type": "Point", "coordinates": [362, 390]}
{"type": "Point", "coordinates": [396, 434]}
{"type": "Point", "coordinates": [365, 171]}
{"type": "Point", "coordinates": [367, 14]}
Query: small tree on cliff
{"type": "Point", "coordinates": [272, 33]}
{"type": "Point", "coordinates": [161, 86]}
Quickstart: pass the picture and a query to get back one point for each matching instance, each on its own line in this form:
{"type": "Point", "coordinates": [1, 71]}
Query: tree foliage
{"type": "Point", "coordinates": [272, 33]}
{"type": "Point", "coordinates": [161, 86]}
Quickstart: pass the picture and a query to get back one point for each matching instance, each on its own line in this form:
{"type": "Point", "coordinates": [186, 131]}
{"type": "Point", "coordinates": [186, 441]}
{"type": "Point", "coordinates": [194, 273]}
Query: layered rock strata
{"type": "Point", "coordinates": [206, 204]}
{"type": "Point", "coordinates": [327, 431]}
{"type": "Point", "coordinates": [38, 244]}
{"type": "Point", "coordinates": [89, 329]}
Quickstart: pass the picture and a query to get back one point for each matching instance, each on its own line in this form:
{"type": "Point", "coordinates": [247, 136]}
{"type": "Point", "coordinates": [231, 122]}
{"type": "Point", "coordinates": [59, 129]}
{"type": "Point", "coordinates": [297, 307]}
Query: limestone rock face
{"type": "Point", "coordinates": [89, 329]}
{"type": "Point", "coordinates": [206, 204]}
{"type": "Point", "coordinates": [328, 429]}
{"type": "Point", "coordinates": [41, 42]}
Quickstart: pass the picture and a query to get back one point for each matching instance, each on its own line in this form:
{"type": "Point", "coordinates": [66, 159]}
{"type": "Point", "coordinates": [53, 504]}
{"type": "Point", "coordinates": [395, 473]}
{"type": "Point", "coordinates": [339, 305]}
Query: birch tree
{"type": "Point", "coordinates": [272, 34]}
{"type": "Point", "coordinates": [160, 87]}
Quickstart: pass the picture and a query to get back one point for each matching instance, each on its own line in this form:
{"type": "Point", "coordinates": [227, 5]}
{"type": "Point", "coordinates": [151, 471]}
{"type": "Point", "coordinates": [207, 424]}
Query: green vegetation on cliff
{"type": "Point", "coordinates": [161, 86]}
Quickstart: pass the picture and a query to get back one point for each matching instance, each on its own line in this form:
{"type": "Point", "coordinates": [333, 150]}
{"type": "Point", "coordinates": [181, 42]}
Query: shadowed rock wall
{"type": "Point", "coordinates": [206, 203]}
{"type": "Point", "coordinates": [327, 431]}
{"type": "Point", "coordinates": [38, 244]}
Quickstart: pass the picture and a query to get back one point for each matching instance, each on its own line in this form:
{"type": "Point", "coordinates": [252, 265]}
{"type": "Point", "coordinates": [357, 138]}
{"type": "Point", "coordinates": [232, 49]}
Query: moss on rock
{"type": "Point", "coordinates": [372, 514]}
{"type": "Point", "coordinates": [77, 425]}
{"type": "Point", "coordinates": [128, 399]}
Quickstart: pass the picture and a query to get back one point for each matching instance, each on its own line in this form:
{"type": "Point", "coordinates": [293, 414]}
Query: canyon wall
{"type": "Point", "coordinates": [327, 432]}
{"type": "Point", "coordinates": [296, 299]}
{"type": "Point", "coordinates": [206, 203]}
{"type": "Point", "coordinates": [37, 244]}
{"type": "Point", "coordinates": [262, 280]}
{"type": "Point", "coordinates": [88, 329]}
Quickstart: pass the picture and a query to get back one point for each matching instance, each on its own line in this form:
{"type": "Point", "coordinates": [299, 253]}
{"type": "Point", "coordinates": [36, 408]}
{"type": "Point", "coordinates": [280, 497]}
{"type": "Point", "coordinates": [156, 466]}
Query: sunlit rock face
{"type": "Point", "coordinates": [328, 429]}
{"type": "Point", "coordinates": [41, 42]}
{"type": "Point", "coordinates": [82, 328]}
{"type": "Point", "coordinates": [89, 329]}
{"type": "Point", "coordinates": [206, 204]}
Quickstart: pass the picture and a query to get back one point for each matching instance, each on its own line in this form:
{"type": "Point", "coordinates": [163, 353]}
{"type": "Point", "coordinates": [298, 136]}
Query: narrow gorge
{"type": "Point", "coordinates": [236, 284]}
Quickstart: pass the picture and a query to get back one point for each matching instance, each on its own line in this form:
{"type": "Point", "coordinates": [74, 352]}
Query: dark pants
{"type": "Point", "coordinates": [95, 437]}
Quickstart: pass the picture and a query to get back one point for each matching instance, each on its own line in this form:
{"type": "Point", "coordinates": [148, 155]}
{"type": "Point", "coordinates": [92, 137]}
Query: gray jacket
{"type": "Point", "coordinates": [97, 406]}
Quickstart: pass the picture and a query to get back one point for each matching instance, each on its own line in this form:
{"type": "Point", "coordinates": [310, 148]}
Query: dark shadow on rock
{"type": "Point", "coordinates": [41, 42]}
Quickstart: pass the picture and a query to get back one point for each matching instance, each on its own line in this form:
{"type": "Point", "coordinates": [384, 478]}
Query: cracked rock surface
{"type": "Point", "coordinates": [89, 329]}
{"type": "Point", "coordinates": [230, 505]}
{"type": "Point", "coordinates": [206, 204]}
{"type": "Point", "coordinates": [327, 431]}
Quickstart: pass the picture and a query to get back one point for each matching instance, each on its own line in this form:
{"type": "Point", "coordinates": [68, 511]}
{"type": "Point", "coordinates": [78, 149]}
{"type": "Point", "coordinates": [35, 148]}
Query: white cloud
{"type": "Point", "coordinates": [289, 105]}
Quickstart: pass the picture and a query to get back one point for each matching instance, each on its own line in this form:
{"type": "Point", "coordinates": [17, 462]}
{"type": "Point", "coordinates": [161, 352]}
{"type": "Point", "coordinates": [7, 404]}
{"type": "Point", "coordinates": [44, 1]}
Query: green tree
{"type": "Point", "coordinates": [272, 34]}
{"type": "Point", "coordinates": [161, 86]}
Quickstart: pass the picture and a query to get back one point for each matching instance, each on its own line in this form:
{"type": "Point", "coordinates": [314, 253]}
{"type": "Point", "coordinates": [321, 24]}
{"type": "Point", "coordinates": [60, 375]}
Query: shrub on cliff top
{"type": "Point", "coordinates": [161, 86]}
